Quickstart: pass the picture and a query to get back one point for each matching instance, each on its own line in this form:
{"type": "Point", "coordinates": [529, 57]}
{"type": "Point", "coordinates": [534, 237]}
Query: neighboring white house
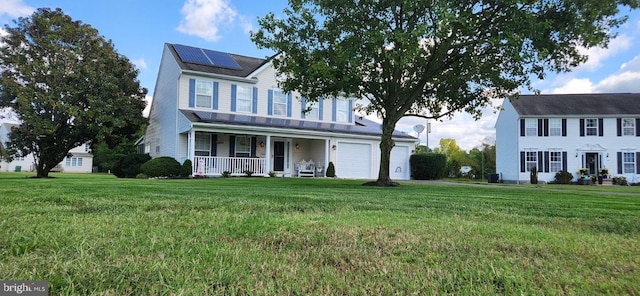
{"type": "Point", "coordinates": [79, 161]}
{"type": "Point", "coordinates": [225, 112]}
{"type": "Point", "coordinates": [568, 132]}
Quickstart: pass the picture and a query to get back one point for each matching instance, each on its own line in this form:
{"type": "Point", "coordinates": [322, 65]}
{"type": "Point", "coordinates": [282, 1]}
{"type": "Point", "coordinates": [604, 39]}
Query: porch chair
{"type": "Point", "coordinates": [306, 169]}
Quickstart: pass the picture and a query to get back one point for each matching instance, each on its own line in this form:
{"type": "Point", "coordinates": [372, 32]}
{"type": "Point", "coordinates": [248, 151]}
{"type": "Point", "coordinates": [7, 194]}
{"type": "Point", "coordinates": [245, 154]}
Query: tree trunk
{"type": "Point", "coordinates": [386, 144]}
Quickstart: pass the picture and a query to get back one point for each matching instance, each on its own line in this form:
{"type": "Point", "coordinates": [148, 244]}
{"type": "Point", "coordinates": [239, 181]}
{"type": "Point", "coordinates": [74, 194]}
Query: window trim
{"type": "Point", "coordinates": [632, 128]}
{"type": "Point", "coordinates": [595, 128]}
{"type": "Point", "coordinates": [531, 127]}
{"type": "Point", "coordinates": [240, 98]}
{"type": "Point", "coordinates": [238, 144]}
{"type": "Point", "coordinates": [631, 163]}
{"type": "Point", "coordinates": [198, 95]}
{"type": "Point", "coordinates": [276, 95]}
{"type": "Point", "coordinates": [553, 127]}
{"type": "Point", "coordinates": [202, 152]}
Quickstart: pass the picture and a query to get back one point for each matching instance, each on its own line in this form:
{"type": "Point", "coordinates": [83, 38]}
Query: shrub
{"type": "Point", "coordinates": [142, 176]}
{"type": "Point", "coordinates": [331, 170]}
{"type": "Point", "coordinates": [248, 173]}
{"type": "Point", "coordinates": [563, 177]}
{"type": "Point", "coordinates": [186, 169]}
{"type": "Point", "coordinates": [622, 181]}
{"type": "Point", "coordinates": [428, 166]}
{"type": "Point", "coordinates": [226, 174]}
{"type": "Point", "coordinates": [128, 166]}
{"type": "Point", "coordinates": [161, 167]}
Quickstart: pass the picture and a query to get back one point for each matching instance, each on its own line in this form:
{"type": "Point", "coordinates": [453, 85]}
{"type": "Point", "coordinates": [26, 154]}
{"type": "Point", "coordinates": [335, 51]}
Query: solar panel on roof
{"type": "Point", "coordinates": [222, 59]}
{"type": "Point", "coordinates": [191, 54]}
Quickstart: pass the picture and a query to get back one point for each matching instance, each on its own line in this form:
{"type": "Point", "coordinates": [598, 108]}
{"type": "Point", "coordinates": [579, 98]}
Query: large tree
{"type": "Point", "coordinates": [68, 85]}
{"type": "Point", "coordinates": [429, 58]}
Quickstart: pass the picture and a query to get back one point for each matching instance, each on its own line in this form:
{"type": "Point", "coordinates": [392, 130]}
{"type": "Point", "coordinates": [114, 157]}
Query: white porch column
{"type": "Point", "coordinates": [327, 153]}
{"type": "Point", "coordinates": [191, 144]}
{"type": "Point", "coordinates": [267, 156]}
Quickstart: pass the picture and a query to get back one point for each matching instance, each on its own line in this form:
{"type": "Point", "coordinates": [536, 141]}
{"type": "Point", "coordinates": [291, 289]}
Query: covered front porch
{"type": "Point", "coordinates": [217, 154]}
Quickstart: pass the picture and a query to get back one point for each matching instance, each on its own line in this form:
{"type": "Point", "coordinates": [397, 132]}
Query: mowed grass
{"type": "Point", "coordinates": [95, 234]}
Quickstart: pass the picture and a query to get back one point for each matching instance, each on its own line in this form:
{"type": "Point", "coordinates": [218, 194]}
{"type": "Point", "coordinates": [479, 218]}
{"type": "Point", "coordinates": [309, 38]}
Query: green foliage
{"type": "Point", "coordinates": [163, 166]}
{"type": "Point", "coordinates": [74, 89]}
{"type": "Point", "coordinates": [142, 176]}
{"type": "Point", "coordinates": [429, 58]}
{"type": "Point", "coordinates": [226, 174]}
{"type": "Point", "coordinates": [456, 157]}
{"type": "Point", "coordinates": [428, 166]}
{"type": "Point", "coordinates": [248, 173]}
{"type": "Point", "coordinates": [331, 170]}
{"type": "Point", "coordinates": [563, 177]}
{"type": "Point", "coordinates": [129, 165]}
{"type": "Point", "coordinates": [620, 180]}
{"type": "Point", "coordinates": [187, 168]}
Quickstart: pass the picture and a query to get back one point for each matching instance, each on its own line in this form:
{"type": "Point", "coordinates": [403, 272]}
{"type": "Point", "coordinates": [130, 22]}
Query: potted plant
{"type": "Point", "coordinates": [602, 173]}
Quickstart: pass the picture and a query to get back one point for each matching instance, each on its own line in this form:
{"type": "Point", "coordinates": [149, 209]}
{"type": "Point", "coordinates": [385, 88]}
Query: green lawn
{"type": "Point", "coordinates": [95, 234]}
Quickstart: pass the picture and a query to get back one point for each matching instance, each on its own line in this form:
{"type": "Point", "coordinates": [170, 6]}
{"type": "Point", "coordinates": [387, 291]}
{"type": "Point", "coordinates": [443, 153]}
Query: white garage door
{"type": "Point", "coordinates": [399, 163]}
{"type": "Point", "coordinates": [353, 161]}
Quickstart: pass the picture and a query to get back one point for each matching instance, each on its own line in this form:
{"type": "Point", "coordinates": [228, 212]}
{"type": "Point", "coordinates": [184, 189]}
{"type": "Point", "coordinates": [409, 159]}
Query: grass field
{"type": "Point", "coordinates": [95, 234]}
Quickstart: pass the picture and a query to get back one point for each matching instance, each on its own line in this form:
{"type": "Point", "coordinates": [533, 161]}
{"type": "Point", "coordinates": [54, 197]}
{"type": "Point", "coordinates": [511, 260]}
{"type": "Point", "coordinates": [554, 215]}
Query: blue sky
{"type": "Point", "coordinates": [139, 28]}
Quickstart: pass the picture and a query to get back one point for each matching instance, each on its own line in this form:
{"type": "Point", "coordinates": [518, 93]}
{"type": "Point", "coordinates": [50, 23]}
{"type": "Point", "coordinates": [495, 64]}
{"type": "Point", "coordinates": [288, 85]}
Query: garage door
{"type": "Point", "coordinates": [353, 161]}
{"type": "Point", "coordinates": [399, 163]}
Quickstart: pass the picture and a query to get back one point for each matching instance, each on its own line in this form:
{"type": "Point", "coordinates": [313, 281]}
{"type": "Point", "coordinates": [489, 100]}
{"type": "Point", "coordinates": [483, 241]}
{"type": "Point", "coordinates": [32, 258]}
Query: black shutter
{"type": "Point", "coordinates": [619, 162]}
{"type": "Point", "coordinates": [564, 161]}
{"type": "Point", "coordinates": [619, 126]}
{"type": "Point", "coordinates": [600, 127]}
{"type": "Point", "coordinates": [232, 146]}
{"type": "Point", "coordinates": [253, 146]}
{"type": "Point", "coordinates": [637, 162]}
{"type": "Point", "coordinates": [564, 127]}
{"type": "Point", "coordinates": [546, 161]}
{"type": "Point", "coordinates": [546, 127]}
{"type": "Point", "coordinates": [522, 127]}
{"type": "Point", "coordinates": [214, 145]}
{"type": "Point", "coordinates": [540, 127]}
{"type": "Point", "coordinates": [522, 163]}
{"type": "Point", "coordinates": [581, 127]}
{"type": "Point", "coordinates": [540, 161]}
{"type": "Point", "coordinates": [637, 127]}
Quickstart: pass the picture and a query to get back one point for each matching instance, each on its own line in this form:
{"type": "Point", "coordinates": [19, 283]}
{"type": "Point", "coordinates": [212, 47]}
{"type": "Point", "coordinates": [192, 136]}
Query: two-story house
{"type": "Point", "coordinates": [225, 112]}
{"type": "Point", "coordinates": [80, 159]}
{"type": "Point", "coordinates": [568, 132]}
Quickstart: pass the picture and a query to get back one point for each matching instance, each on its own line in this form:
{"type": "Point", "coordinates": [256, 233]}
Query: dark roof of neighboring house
{"type": "Point", "coordinates": [248, 64]}
{"type": "Point", "coordinates": [578, 104]}
{"type": "Point", "coordinates": [362, 127]}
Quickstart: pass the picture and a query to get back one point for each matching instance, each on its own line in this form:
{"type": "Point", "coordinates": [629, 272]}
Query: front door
{"type": "Point", "coordinates": [592, 163]}
{"type": "Point", "coordinates": [278, 156]}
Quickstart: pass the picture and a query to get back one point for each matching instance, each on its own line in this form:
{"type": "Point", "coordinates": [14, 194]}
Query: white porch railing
{"type": "Point", "coordinates": [237, 166]}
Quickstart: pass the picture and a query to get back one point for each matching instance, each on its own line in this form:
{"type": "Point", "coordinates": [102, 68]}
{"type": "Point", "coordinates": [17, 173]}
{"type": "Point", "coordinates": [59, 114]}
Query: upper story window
{"type": "Point", "coordinates": [531, 127]}
{"type": "Point", "coordinates": [591, 126]}
{"type": "Point", "coordinates": [555, 127]}
{"type": "Point", "coordinates": [204, 94]}
{"type": "Point", "coordinates": [628, 127]}
{"type": "Point", "coordinates": [342, 110]}
{"type": "Point", "coordinates": [313, 111]}
{"type": "Point", "coordinates": [279, 103]}
{"type": "Point", "coordinates": [18, 158]}
{"type": "Point", "coordinates": [244, 99]}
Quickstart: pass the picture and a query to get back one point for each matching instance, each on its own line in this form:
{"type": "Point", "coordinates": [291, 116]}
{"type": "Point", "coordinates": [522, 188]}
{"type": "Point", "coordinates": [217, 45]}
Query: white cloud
{"type": "Point", "coordinates": [246, 24]}
{"type": "Point", "coordinates": [597, 55]}
{"type": "Point", "coordinates": [15, 8]}
{"type": "Point", "coordinates": [574, 86]}
{"type": "Point", "coordinates": [620, 83]}
{"type": "Point", "coordinates": [140, 63]}
{"type": "Point", "coordinates": [203, 18]}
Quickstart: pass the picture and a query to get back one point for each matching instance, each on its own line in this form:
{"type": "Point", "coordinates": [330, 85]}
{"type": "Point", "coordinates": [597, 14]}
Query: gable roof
{"type": "Point", "coordinates": [578, 104]}
{"type": "Point", "coordinates": [362, 126]}
{"type": "Point", "coordinates": [247, 64]}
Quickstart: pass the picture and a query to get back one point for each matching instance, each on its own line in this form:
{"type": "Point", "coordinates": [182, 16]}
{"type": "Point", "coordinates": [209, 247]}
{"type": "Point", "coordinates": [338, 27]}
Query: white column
{"type": "Point", "coordinates": [267, 155]}
{"type": "Point", "coordinates": [327, 152]}
{"type": "Point", "coordinates": [191, 144]}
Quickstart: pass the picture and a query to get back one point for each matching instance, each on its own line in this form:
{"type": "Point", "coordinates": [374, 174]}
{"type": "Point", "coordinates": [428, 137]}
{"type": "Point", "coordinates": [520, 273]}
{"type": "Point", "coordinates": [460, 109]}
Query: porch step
{"type": "Point", "coordinates": [607, 182]}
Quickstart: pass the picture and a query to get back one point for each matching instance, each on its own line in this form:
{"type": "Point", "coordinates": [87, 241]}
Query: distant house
{"type": "Point", "coordinates": [226, 113]}
{"type": "Point", "coordinates": [568, 132]}
{"type": "Point", "coordinates": [79, 161]}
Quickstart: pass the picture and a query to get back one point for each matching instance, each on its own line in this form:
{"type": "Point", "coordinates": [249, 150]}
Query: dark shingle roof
{"type": "Point", "coordinates": [578, 104]}
{"type": "Point", "coordinates": [362, 127]}
{"type": "Point", "coordinates": [248, 64]}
